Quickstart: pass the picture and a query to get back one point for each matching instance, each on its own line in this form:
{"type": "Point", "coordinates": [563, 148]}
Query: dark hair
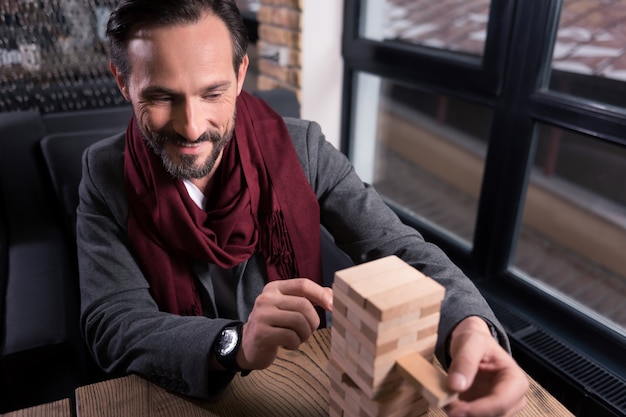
{"type": "Point", "coordinates": [131, 15]}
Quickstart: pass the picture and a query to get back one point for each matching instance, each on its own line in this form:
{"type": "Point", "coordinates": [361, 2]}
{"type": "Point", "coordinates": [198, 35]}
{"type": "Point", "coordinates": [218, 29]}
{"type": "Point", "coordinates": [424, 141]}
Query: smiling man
{"type": "Point", "coordinates": [198, 228]}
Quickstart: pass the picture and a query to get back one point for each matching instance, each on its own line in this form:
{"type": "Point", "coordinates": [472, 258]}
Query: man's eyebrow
{"type": "Point", "coordinates": [217, 86]}
{"type": "Point", "coordinates": [156, 90]}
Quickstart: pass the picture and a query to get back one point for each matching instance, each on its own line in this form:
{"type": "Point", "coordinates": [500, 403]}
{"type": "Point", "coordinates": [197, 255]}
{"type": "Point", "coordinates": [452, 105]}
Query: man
{"type": "Point", "coordinates": [198, 229]}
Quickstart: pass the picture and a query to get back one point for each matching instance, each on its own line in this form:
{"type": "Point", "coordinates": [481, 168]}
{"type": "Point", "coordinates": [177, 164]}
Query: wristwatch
{"type": "Point", "coordinates": [226, 347]}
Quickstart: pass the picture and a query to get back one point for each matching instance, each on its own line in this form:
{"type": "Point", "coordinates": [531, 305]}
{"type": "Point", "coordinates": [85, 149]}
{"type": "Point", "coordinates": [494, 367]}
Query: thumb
{"type": "Point", "coordinates": [466, 350]}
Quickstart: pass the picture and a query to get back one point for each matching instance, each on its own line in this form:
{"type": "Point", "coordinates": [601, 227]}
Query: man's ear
{"type": "Point", "coordinates": [120, 80]}
{"type": "Point", "coordinates": [241, 73]}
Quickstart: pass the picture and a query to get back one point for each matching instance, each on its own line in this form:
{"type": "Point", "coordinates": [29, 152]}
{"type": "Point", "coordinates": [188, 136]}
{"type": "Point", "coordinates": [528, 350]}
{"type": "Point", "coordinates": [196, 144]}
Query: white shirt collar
{"type": "Point", "coordinates": [196, 195]}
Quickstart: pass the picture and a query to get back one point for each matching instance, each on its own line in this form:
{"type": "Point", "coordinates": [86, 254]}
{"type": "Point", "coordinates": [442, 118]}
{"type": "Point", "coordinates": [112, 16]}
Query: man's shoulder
{"type": "Point", "coordinates": [105, 158]}
{"type": "Point", "coordinates": [110, 144]}
{"type": "Point", "coordinates": [107, 149]}
{"type": "Point", "coordinates": [297, 128]}
{"type": "Point", "coordinates": [304, 133]}
{"type": "Point", "coordinates": [299, 132]}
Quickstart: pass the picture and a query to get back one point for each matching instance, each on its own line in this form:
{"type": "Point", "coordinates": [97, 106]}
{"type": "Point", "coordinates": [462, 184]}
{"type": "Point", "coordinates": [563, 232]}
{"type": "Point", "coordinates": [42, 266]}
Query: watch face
{"type": "Point", "coordinates": [228, 341]}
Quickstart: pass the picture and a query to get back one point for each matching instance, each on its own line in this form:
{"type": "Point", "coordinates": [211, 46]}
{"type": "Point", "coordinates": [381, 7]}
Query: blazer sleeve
{"type": "Point", "coordinates": [365, 228]}
{"type": "Point", "coordinates": [122, 325]}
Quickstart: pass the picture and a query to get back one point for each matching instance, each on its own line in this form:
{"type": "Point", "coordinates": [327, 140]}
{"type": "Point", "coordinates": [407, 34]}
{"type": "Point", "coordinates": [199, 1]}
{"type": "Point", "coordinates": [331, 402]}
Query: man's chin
{"type": "Point", "coordinates": [183, 168]}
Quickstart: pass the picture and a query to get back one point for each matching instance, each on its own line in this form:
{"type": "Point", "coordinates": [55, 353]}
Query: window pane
{"type": "Point", "coordinates": [423, 152]}
{"type": "Point", "coordinates": [455, 25]}
{"type": "Point", "coordinates": [588, 59]}
{"type": "Point", "coordinates": [574, 226]}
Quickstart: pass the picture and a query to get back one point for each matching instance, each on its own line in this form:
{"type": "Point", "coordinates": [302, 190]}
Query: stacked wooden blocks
{"type": "Point", "coordinates": [384, 310]}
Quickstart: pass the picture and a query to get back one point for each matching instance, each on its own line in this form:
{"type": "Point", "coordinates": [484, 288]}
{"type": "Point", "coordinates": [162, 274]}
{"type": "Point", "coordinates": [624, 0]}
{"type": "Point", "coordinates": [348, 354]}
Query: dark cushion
{"type": "Point", "coordinates": [63, 155]}
{"type": "Point", "coordinates": [4, 253]}
{"type": "Point", "coordinates": [93, 119]}
{"type": "Point", "coordinates": [42, 353]}
{"type": "Point", "coordinates": [283, 101]}
{"type": "Point", "coordinates": [36, 300]}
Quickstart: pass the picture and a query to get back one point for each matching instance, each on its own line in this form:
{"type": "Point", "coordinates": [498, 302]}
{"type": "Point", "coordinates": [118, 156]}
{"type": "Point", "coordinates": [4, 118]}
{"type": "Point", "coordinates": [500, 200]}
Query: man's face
{"type": "Point", "coordinates": [183, 90]}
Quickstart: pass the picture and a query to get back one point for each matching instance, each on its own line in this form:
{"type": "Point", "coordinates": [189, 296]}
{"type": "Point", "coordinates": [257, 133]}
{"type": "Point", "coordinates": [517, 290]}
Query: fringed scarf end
{"type": "Point", "coordinates": [277, 247]}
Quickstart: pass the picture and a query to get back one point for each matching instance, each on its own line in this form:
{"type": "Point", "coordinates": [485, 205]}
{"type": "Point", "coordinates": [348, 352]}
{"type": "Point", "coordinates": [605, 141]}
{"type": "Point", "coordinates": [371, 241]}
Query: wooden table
{"type": "Point", "coordinates": [295, 385]}
{"type": "Point", "coordinates": [61, 408]}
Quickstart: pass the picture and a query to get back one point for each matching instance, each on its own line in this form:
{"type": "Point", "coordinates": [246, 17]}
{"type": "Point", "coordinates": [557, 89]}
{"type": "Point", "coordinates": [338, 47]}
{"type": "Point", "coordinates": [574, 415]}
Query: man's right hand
{"type": "Point", "coordinates": [283, 315]}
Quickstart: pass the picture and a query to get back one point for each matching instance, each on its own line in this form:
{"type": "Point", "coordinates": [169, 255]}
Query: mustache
{"type": "Point", "coordinates": [177, 139]}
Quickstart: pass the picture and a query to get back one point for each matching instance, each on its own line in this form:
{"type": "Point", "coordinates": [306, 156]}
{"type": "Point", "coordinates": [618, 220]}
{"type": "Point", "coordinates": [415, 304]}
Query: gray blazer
{"type": "Point", "coordinates": [125, 330]}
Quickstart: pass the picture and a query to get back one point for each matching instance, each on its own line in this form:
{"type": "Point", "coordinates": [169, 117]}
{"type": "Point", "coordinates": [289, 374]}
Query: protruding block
{"type": "Point", "coordinates": [429, 379]}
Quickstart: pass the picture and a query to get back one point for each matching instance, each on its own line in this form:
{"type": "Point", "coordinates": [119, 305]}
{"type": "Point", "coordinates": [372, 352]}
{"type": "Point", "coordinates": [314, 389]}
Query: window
{"type": "Point", "coordinates": [588, 59]}
{"type": "Point", "coordinates": [456, 25]}
{"type": "Point", "coordinates": [574, 226]}
{"type": "Point", "coordinates": [513, 114]}
{"type": "Point", "coordinates": [422, 152]}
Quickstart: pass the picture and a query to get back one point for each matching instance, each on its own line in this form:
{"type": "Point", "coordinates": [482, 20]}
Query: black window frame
{"type": "Point", "coordinates": [512, 79]}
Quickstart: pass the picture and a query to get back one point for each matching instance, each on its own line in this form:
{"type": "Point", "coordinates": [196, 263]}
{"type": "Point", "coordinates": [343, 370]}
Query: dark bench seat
{"type": "Point", "coordinates": [42, 355]}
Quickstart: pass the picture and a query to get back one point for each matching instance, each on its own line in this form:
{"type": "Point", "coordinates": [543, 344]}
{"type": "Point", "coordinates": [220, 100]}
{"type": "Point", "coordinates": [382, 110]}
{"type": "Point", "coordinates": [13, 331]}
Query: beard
{"type": "Point", "coordinates": [186, 166]}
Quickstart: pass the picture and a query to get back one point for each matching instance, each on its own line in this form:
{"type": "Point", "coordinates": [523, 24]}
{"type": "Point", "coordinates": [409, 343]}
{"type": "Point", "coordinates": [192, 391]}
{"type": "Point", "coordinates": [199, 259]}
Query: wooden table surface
{"type": "Point", "coordinates": [61, 408]}
{"type": "Point", "coordinates": [295, 385]}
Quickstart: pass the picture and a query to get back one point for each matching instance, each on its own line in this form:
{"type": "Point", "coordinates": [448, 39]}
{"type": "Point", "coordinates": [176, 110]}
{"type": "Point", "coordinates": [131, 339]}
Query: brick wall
{"type": "Point", "coordinates": [279, 46]}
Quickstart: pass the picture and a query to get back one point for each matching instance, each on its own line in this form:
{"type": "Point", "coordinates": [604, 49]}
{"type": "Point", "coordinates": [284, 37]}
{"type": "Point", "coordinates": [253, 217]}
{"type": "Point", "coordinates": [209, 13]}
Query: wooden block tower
{"type": "Point", "coordinates": [383, 336]}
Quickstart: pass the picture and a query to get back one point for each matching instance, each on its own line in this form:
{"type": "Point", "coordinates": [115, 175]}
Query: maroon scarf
{"type": "Point", "coordinates": [263, 202]}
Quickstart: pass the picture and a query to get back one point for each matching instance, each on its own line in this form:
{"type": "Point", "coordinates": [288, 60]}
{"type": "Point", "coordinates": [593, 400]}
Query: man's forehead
{"type": "Point", "coordinates": [147, 30]}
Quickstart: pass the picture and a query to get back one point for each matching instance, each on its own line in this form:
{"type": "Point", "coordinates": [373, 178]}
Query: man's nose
{"type": "Point", "coordinates": [190, 120]}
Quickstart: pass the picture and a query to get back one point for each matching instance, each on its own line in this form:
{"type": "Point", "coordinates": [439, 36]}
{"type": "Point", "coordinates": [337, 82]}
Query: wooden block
{"type": "Point", "coordinates": [359, 378]}
{"type": "Point", "coordinates": [433, 308]}
{"type": "Point", "coordinates": [368, 277]}
{"type": "Point", "coordinates": [374, 360]}
{"type": "Point", "coordinates": [408, 328]}
{"type": "Point", "coordinates": [350, 276]}
{"type": "Point", "coordinates": [429, 379]}
{"type": "Point", "coordinates": [401, 401]}
{"type": "Point", "coordinates": [385, 362]}
{"type": "Point", "coordinates": [362, 281]}
{"type": "Point", "coordinates": [353, 341]}
{"type": "Point", "coordinates": [367, 323]}
{"type": "Point", "coordinates": [355, 334]}
{"type": "Point", "coordinates": [393, 339]}
{"type": "Point", "coordinates": [339, 308]}
{"type": "Point", "coordinates": [406, 299]}
{"type": "Point", "coordinates": [369, 346]}
{"type": "Point", "coordinates": [347, 399]}
{"type": "Point", "coordinates": [355, 309]}
{"type": "Point", "coordinates": [354, 317]}
{"type": "Point", "coordinates": [427, 332]}
{"type": "Point", "coordinates": [385, 326]}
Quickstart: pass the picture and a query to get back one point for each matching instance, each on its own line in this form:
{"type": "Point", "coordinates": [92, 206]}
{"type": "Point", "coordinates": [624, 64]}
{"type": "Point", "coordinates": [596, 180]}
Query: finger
{"type": "Point", "coordinates": [304, 287]}
{"type": "Point", "coordinates": [467, 350]}
{"type": "Point", "coordinates": [288, 329]}
{"type": "Point", "coordinates": [292, 312]}
{"type": "Point", "coordinates": [273, 303]}
{"type": "Point", "coordinates": [500, 389]}
{"type": "Point", "coordinates": [298, 314]}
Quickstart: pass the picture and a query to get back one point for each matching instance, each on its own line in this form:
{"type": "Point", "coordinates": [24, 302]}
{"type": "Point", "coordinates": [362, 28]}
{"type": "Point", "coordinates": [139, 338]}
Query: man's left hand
{"type": "Point", "coordinates": [489, 381]}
